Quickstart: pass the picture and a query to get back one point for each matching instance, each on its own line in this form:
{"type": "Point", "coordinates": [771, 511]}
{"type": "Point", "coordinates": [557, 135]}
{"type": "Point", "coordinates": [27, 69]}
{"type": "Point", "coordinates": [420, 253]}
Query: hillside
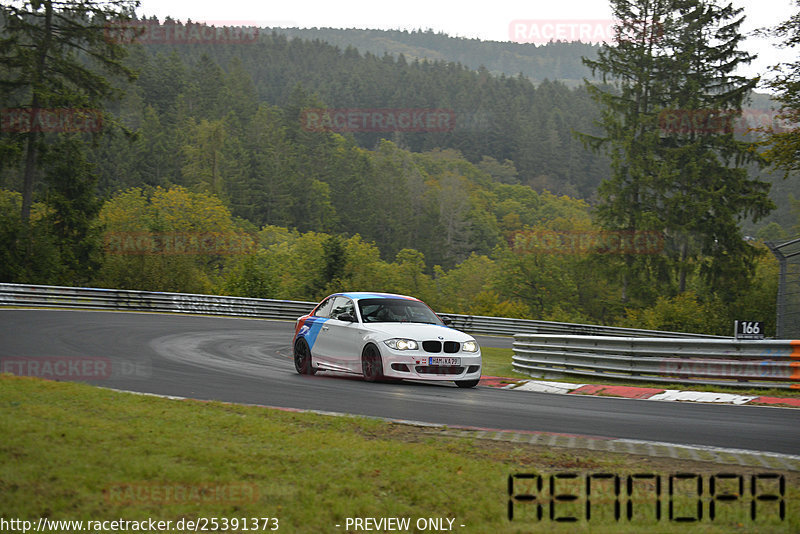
{"type": "Point", "coordinates": [552, 61]}
{"type": "Point", "coordinates": [501, 117]}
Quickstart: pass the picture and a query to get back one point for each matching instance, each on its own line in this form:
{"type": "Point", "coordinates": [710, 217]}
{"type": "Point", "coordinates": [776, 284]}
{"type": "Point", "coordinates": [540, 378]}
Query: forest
{"type": "Point", "coordinates": [204, 179]}
{"type": "Point", "coordinates": [549, 61]}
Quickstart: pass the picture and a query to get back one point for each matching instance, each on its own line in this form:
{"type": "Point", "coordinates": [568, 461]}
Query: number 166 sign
{"type": "Point", "coordinates": [749, 329]}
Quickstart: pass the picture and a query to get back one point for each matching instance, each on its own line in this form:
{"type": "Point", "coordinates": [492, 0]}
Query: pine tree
{"type": "Point", "coordinates": [784, 146]}
{"type": "Point", "coordinates": [706, 190]}
{"type": "Point", "coordinates": [72, 209]}
{"type": "Point", "coordinates": [633, 69]}
{"type": "Point", "coordinates": [50, 57]}
{"type": "Point", "coordinates": [674, 169]}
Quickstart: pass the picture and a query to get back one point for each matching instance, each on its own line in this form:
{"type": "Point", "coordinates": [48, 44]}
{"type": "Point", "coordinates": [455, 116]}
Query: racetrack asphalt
{"type": "Point", "coordinates": [249, 361]}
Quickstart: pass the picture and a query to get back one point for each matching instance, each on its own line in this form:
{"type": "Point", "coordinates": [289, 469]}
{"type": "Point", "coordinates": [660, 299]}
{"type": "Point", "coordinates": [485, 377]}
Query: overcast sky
{"type": "Point", "coordinates": [487, 20]}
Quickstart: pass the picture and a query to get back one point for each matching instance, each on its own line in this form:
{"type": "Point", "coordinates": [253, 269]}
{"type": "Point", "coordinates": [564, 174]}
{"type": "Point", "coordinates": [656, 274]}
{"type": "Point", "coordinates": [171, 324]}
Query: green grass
{"type": "Point", "coordinates": [71, 451]}
{"type": "Point", "coordinates": [497, 362]}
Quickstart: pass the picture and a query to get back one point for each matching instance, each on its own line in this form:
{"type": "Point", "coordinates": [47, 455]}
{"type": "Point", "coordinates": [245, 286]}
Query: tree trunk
{"type": "Point", "coordinates": [33, 136]}
{"type": "Point", "coordinates": [29, 175]}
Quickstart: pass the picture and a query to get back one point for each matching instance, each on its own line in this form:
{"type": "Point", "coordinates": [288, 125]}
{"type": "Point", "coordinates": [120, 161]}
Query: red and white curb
{"type": "Point", "coordinates": [633, 392]}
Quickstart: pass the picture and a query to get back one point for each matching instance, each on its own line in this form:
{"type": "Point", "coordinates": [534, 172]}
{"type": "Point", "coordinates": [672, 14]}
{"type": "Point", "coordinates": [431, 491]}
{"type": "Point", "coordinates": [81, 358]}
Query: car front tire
{"type": "Point", "coordinates": [467, 383]}
{"type": "Point", "coordinates": [372, 364]}
{"type": "Point", "coordinates": [302, 358]}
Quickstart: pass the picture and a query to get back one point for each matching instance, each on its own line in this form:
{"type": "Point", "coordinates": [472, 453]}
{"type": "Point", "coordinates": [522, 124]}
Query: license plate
{"type": "Point", "coordinates": [440, 360]}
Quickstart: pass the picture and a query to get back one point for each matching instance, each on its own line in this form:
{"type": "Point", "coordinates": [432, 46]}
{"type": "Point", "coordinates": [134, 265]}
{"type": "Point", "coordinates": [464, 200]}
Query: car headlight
{"type": "Point", "coordinates": [401, 344]}
{"type": "Point", "coordinates": [470, 346]}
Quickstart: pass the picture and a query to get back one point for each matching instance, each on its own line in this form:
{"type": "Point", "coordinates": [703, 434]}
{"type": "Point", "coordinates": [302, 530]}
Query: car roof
{"type": "Point", "coordinates": [356, 295]}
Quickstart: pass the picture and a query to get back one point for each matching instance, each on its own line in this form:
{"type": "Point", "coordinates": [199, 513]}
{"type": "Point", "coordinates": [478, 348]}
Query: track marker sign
{"type": "Point", "coordinates": [748, 329]}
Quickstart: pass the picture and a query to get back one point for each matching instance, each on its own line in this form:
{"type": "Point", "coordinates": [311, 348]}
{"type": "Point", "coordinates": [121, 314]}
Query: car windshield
{"type": "Point", "coordinates": [396, 311]}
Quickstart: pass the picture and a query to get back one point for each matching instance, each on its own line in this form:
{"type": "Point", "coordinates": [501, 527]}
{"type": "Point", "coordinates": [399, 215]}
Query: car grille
{"type": "Point", "coordinates": [440, 369]}
{"type": "Point", "coordinates": [450, 347]}
{"type": "Point", "coordinates": [432, 346]}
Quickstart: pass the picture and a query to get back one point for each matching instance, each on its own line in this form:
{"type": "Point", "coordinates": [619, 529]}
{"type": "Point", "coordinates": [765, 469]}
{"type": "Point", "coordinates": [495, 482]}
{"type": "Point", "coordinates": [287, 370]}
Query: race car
{"type": "Point", "coordinates": [384, 336]}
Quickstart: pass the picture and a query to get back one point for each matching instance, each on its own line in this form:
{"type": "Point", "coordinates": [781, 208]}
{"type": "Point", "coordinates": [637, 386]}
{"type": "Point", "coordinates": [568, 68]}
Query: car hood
{"type": "Point", "coordinates": [417, 331]}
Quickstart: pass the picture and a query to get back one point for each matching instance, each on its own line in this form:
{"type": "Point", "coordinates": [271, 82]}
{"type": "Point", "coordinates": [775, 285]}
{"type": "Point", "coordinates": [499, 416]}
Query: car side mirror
{"type": "Point", "coordinates": [446, 320]}
{"type": "Point", "coordinates": [347, 317]}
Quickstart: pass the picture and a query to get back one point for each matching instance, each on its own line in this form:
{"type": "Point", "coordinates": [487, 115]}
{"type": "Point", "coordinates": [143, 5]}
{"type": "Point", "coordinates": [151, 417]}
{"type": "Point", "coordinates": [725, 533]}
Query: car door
{"type": "Point", "coordinates": [317, 328]}
{"type": "Point", "coordinates": [342, 339]}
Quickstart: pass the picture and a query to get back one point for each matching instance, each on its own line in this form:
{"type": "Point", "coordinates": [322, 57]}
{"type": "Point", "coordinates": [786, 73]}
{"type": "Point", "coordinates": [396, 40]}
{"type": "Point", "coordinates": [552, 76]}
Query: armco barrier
{"type": "Point", "coordinates": [20, 295]}
{"type": "Point", "coordinates": [119, 299]}
{"type": "Point", "coordinates": [722, 362]}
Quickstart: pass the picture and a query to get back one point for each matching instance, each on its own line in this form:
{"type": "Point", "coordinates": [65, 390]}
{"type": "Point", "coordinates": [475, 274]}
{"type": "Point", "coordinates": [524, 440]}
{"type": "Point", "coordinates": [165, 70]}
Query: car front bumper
{"type": "Point", "coordinates": [415, 365]}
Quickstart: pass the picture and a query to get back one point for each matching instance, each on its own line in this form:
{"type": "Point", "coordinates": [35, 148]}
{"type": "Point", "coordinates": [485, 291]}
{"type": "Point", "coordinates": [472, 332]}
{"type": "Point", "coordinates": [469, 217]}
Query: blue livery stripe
{"type": "Point", "coordinates": [314, 324]}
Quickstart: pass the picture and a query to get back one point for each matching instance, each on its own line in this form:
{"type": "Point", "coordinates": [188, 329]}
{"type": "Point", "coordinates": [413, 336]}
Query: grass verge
{"type": "Point", "coordinates": [75, 452]}
{"type": "Point", "coordinates": [497, 362]}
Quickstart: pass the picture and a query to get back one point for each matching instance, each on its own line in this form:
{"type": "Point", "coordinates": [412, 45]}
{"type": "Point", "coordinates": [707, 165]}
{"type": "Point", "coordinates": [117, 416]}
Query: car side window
{"type": "Point", "coordinates": [343, 305]}
{"type": "Point", "coordinates": [324, 309]}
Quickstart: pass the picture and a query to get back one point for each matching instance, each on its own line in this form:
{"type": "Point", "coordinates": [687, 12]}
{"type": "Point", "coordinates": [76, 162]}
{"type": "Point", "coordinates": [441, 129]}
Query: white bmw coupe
{"type": "Point", "coordinates": [381, 335]}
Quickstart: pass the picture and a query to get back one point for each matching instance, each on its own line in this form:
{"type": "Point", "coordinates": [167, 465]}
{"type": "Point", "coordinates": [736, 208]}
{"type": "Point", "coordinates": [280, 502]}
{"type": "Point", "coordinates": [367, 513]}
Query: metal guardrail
{"type": "Point", "coordinates": [763, 363]}
{"type": "Point", "coordinates": [122, 299]}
